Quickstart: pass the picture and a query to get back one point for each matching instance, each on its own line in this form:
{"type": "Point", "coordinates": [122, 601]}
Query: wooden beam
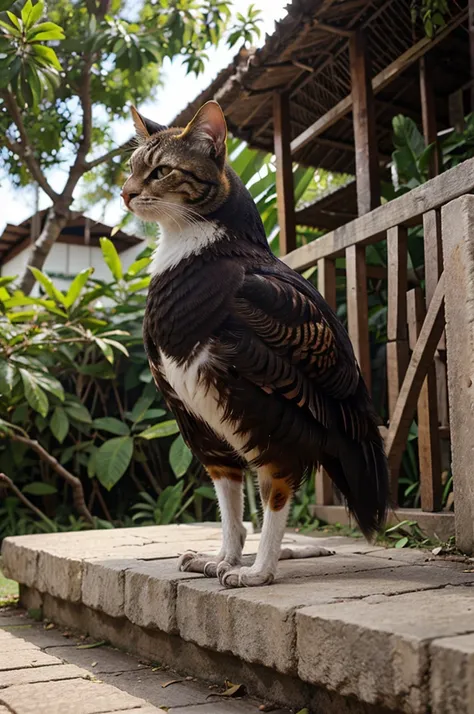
{"type": "Point", "coordinates": [422, 357]}
{"type": "Point", "coordinates": [357, 308]}
{"type": "Point", "coordinates": [284, 173]}
{"type": "Point", "coordinates": [429, 449]}
{"type": "Point", "coordinates": [365, 138]}
{"type": "Point", "coordinates": [382, 79]}
{"type": "Point", "coordinates": [406, 209]}
{"type": "Point", "coordinates": [428, 111]}
{"type": "Point", "coordinates": [397, 342]}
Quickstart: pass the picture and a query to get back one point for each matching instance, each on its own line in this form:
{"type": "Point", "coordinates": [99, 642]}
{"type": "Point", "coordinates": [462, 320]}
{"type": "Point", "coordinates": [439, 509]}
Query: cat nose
{"type": "Point", "coordinates": [127, 197]}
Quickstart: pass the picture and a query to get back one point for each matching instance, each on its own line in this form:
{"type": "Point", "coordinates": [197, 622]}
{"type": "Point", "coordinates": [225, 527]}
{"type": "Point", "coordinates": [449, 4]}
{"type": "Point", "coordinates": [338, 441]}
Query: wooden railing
{"type": "Point", "coordinates": [415, 322]}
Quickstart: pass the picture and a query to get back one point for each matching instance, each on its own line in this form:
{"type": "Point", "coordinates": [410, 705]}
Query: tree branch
{"type": "Point", "coordinates": [110, 154]}
{"type": "Point", "coordinates": [73, 481]}
{"type": "Point", "coordinates": [24, 149]}
{"type": "Point", "coordinates": [26, 501]}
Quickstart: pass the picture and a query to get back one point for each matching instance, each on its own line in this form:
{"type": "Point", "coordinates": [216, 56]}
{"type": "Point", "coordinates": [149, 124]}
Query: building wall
{"type": "Point", "coordinates": [69, 260]}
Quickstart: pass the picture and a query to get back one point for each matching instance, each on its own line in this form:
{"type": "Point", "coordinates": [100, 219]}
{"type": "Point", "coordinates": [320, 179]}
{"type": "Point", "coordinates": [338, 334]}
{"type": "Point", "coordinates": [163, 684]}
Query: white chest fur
{"type": "Point", "coordinates": [177, 244]}
{"type": "Point", "coordinates": [199, 398]}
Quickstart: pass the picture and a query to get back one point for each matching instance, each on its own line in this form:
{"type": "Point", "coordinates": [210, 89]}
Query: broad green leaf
{"type": "Point", "coordinates": [45, 31]}
{"type": "Point", "coordinates": [25, 12]}
{"type": "Point", "coordinates": [50, 384]}
{"type": "Point", "coordinates": [139, 284]}
{"type": "Point", "coordinates": [76, 286]}
{"type": "Point", "coordinates": [7, 374]}
{"type": "Point", "coordinates": [48, 286]}
{"type": "Point", "coordinates": [105, 348]}
{"type": "Point", "coordinates": [78, 412]}
{"type": "Point", "coordinates": [14, 20]}
{"type": "Point", "coordinates": [113, 459]}
{"type": "Point", "coordinates": [112, 425]}
{"type": "Point", "coordinates": [116, 345]}
{"type": "Point", "coordinates": [5, 5]}
{"type": "Point", "coordinates": [111, 257]}
{"type": "Point", "coordinates": [38, 488]}
{"type": "Point", "coordinates": [169, 502]}
{"type": "Point", "coordinates": [35, 396]}
{"type": "Point", "coordinates": [47, 55]}
{"type": "Point", "coordinates": [59, 424]}
{"type": "Point", "coordinates": [6, 280]}
{"type": "Point", "coordinates": [35, 13]}
{"type": "Point", "coordinates": [180, 457]}
{"type": "Point", "coordinates": [141, 407]}
{"type": "Point", "coordinates": [158, 431]}
{"type": "Point", "coordinates": [137, 267]}
{"type": "Point", "coordinates": [206, 491]}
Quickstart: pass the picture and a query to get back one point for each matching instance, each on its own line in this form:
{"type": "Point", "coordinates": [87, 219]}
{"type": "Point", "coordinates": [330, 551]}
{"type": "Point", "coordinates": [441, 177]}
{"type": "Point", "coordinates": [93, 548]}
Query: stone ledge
{"type": "Point", "coordinates": [368, 624]}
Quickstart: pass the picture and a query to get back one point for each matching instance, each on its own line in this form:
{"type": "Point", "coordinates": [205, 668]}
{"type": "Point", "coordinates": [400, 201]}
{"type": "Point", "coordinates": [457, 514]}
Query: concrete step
{"type": "Point", "coordinates": [366, 630]}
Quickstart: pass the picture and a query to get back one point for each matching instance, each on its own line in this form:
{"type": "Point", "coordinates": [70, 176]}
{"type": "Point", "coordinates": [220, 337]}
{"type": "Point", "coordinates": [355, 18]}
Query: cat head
{"type": "Point", "coordinates": [178, 175]}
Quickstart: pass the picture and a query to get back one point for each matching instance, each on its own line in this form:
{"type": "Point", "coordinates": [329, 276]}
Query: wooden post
{"type": "Point", "coordinates": [433, 269]}
{"type": "Point", "coordinates": [357, 308]}
{"type": "Point", "coordinates": [458, 250]}
{"type": "Point", "coordinates": [456, 110]}
{"type": "Point", "coordinates": [397, 342]}
{"type": "Point", "coordinates": [327, 288]}
{"type": "Point", "coordinates": [429, 452]}
{"type": "Point", "coordinates": [428, 112]}
{"type": "Point", "coordinates": [365, 138]}
{"type": "Point", "coordinates": [284, 173]}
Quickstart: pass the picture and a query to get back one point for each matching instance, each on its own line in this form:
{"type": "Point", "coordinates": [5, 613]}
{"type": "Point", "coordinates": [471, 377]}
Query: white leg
{"type": "Point", "coordinates": [263, 571]}
{"type": "Point", "coordinates": [230, 496]}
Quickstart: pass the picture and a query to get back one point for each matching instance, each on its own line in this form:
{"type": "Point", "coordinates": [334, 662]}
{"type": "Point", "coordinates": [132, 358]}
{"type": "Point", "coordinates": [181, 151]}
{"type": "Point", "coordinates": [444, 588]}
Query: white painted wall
{"type": "Point", "coordinates": [70, 260]}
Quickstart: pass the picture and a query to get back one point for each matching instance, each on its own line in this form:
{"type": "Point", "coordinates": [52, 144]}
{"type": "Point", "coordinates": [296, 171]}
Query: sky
{"type": "Point", "coordinates": [177, 91]}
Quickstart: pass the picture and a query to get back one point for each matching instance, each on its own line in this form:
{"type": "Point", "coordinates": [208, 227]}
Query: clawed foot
{"type": "Point", "coordinates": [305, 551]}
{"type": "Point", "coordinates": [208, 565]}
{"type": "Point", "coordinates": [243, 577]}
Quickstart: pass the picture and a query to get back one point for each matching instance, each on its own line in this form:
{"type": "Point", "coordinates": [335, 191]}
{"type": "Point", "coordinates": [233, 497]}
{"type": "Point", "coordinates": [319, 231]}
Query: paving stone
{"type": "Point", "coordinates": [40, 674]}
{"type": "Point", "coordinates": [106, 659]}
{"type": "Point", "coordinates": [257, 624]}
{"type": "Point", "coordinates": [376, 649]}
{"type": "Point", "coordinates": [74, 696]}
{"type": "Point", "coordinates": [148, 684]}
{"type": "Point", "coordinates": [26, 658]}
{"type": "Point", "coordinates": [150, 593]}
{"type": "Point", "coordinates": [452, 675]}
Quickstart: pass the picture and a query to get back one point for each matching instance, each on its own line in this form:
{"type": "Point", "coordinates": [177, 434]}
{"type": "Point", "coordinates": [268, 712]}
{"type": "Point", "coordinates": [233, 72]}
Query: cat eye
{"type": "Point", "coordinates": [160, 172]}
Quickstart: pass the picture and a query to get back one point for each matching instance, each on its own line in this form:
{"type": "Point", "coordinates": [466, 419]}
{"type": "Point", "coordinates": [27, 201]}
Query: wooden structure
{"type": "Point", "coordinates": [322, 92]}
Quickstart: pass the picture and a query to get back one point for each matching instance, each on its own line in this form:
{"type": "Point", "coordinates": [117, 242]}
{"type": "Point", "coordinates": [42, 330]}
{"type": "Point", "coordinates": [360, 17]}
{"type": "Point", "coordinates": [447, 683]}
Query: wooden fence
{"type": "Point", "coordinates": [416, 376]}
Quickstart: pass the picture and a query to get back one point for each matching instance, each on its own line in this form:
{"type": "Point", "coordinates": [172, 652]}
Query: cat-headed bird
{"type": "Point", "coordinates": [255, 366]}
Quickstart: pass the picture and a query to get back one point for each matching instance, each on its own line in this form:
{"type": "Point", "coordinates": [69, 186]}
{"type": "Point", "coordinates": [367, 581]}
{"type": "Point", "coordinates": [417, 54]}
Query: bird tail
{"type": "Point", "coordinates": [360, 471]}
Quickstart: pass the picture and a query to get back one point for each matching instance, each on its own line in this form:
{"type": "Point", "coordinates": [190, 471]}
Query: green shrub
{"type": "Point", "coordinates": [76, 391]}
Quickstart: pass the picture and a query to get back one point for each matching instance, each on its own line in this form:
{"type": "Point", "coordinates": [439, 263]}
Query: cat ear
{"type": "Point", "coordinates": [145, 127]}
{"type": "Point", "coordinates": [209, 128]}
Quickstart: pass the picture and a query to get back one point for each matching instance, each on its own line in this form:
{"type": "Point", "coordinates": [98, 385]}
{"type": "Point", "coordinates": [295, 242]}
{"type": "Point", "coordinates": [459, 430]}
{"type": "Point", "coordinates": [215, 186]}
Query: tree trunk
{"type": "Point", "coordinates": [56, 220]}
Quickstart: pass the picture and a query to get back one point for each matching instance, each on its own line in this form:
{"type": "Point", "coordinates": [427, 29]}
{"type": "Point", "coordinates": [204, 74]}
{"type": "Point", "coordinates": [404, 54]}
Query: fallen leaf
{"type": "Point", "coordinates": [92, 645]}
{"type": "Point", "coordinates": [173, 681]}
{"type": "Point", "coordinates": [235, 690]}
{"type": "Point", "coordinates": [437, 550]}
{"type": "Point", "coordinates": [94, 664]}
{"type": "Point", "coordinates": [303, 711]}
{"type": "Point", "coordinates": [50, 626]}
